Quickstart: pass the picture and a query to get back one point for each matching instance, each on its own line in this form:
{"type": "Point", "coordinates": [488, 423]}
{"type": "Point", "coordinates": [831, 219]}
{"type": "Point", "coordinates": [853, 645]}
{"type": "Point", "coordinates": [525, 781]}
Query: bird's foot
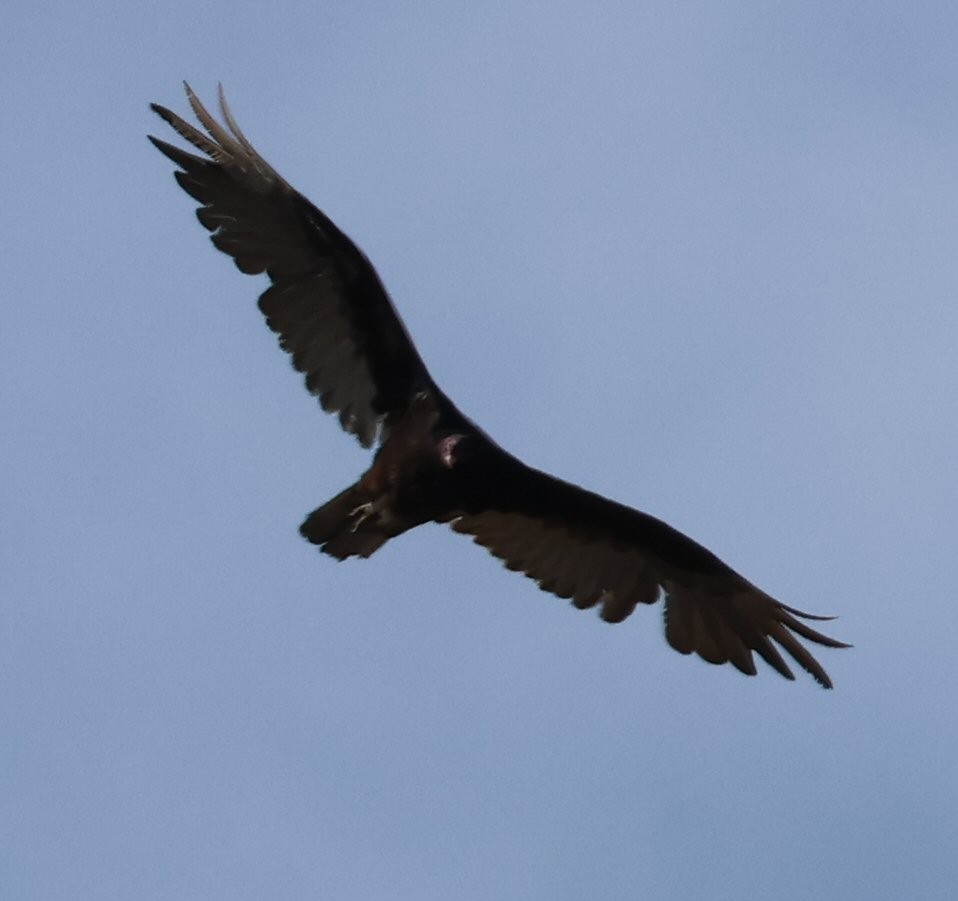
{"type": "Point", "coordinates": [360, 514]}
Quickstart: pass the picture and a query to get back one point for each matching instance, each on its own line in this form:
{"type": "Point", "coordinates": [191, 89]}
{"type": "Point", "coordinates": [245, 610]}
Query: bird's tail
{"type": "Point", "coordinates": [346, 526]}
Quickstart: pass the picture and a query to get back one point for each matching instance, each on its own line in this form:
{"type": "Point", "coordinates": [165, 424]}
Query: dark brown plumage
{"type": "Point", "coordinates": [334, 317]}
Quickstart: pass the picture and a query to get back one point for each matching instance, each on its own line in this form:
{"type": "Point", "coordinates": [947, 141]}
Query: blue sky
{"type": "Point", "coordinates": [699, 257]}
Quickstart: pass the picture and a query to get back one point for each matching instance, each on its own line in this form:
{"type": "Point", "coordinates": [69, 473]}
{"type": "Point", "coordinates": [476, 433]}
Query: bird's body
{"type": "Point", "coordinates": [415, 478]}
{"type": "Point", "coordinates": [432, 464]}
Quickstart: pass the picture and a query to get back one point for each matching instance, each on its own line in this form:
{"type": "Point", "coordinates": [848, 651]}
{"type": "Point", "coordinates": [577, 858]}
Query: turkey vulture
{"type": "Point", "coordinates": [432, 464]}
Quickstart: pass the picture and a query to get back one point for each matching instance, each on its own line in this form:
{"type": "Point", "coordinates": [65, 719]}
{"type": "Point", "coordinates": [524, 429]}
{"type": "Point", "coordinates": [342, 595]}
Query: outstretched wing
{"type": "Point", "coordinates": [326, 302]}
{"type": "Point", "coordinates": [597, 552]}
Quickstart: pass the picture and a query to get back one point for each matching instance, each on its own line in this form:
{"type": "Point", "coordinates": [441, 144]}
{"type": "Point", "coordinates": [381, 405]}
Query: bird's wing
{"type": "Point", "coordinates": [326, 302]}
{"type": "Point", "coordinates": [597, 552]}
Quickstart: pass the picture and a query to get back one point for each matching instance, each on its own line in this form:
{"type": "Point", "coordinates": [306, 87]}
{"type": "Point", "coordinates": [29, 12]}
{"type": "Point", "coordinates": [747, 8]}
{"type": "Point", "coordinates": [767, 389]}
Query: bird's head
{"type": "Point", "coordinates": [455, 448]}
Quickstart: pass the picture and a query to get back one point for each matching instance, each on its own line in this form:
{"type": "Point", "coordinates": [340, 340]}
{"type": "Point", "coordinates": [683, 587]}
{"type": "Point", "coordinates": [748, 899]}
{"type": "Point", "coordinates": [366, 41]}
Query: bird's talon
{"type": "Point", "coordinates": [360, 514]}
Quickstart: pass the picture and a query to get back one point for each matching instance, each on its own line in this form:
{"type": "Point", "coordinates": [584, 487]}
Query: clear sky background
{"type": "Point", "coordinates": [701, 257]}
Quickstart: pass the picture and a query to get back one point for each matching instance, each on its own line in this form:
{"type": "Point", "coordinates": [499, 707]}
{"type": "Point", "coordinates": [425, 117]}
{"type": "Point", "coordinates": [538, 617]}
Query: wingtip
{"type": "Point", "coordinates": [161, 111]}
{"type": "Point", "coordinates": [818, 617]}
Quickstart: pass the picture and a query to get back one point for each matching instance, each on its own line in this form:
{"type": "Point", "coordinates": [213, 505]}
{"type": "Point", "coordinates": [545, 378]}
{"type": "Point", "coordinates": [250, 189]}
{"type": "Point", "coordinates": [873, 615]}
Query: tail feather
{"type": "Point", "coordinates": [339, 532]}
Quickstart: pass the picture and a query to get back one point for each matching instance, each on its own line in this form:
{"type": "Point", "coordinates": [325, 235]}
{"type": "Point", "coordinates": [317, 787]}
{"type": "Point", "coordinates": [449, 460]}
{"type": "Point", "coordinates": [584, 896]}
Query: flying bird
{"type": "Point", "coordinates": [432, 464]}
